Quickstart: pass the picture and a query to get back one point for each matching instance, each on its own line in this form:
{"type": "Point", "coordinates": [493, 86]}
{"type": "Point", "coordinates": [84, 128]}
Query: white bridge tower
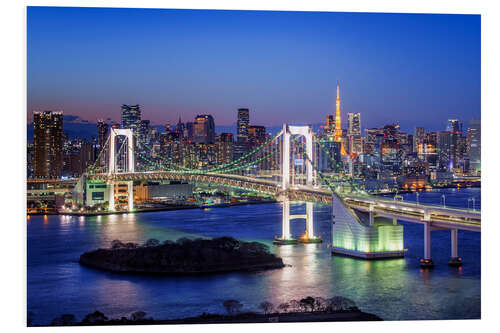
{"type": "Point", "coordinates": [113, 169]}
{"type": "Point", "coordinates": [286, 237]}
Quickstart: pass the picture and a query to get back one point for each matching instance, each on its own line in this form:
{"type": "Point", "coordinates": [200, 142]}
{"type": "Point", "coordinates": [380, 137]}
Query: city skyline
{"type": "Point", "coordinates": [440, 82]}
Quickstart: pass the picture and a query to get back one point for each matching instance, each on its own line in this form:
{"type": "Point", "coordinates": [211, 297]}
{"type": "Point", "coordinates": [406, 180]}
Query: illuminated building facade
{"type": "Point", "coordinates": [354, 133]}
{"type": "Point", "coordinates": [338, 123]}
{"type": "Point", "coordinates": [475, 145]}
{"type": "Point", "coordinates": [225, 145]}
{"type": "Point", "coordinates": [204, 129]}
{"type": "Point", "coordinates": [131, 117]}
{"type": "Point", "coordinates": [256, 135]}
{"type": "Point", "coordinates": [47, 141]}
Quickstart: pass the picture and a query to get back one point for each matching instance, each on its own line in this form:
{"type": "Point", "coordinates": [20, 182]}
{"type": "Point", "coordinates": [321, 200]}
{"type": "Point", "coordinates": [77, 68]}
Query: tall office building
{"type": "Point", "coordinates": [354, 124]}
{"type": "Point", "coordinates": [475, 145]}
{"type": "Point", "coordinates": [204, 129]}
{"type": "Point", "coordinates": [131, 117]}
{"type": "Point", "coordinates": [329, 126]}
{"type": "Point", "coordinates": [225, 144]}
{"type": "Point", "coordinates": [47, 141]}
{"type": "Point", "coordinates": [354, 133]}
{"type": "Point", "coordinates": [256, 135]}
{"type": "Point", "coordinates": [241, 145]}
{"type": "Point", "coordinates": [144, 130]}
{"type": "Point", "coordinates": [445, 149]}
{"type": "Point", "coordinates": [418, 140]}
{"type": "Point", "coordinates": [453, 125]}
{"type": "Point", "coordinates": [243, 123]}
{"type": "Point", "coordinates": [102, 133]}
{"type": "Point", "coordinates": [102, 138]}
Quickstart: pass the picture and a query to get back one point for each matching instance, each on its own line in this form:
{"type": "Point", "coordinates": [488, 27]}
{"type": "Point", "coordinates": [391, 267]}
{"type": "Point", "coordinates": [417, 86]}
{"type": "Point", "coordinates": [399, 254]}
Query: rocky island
{"type": "Point", "coordinates": [183, 257]}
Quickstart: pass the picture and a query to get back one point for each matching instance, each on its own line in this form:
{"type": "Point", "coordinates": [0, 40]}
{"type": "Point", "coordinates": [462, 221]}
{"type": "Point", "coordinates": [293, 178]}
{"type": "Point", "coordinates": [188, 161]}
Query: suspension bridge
{"type": "Point", "coordinates": [286, 167]}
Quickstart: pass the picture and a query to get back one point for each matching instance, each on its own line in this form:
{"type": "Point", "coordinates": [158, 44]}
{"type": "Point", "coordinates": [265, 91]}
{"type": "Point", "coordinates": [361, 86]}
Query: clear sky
{"type": "Point", "coordinates": [415, 70]}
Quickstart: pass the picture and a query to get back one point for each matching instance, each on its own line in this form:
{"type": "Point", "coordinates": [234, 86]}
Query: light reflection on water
{"type": "Point", "coordinates": [393, 289]}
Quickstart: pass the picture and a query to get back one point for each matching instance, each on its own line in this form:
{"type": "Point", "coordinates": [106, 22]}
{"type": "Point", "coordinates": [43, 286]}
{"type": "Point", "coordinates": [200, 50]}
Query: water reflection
{"type": "Point", "coordinates": [393, 289]}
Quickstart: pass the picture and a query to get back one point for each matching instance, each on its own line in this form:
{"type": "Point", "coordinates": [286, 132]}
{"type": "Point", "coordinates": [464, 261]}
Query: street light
{"type": "Point", "coordinates": [473, 203]}
{"type": "Point", "coordinates": [444, 200]}
{"type": "Point", "coordinates": [417, 194]}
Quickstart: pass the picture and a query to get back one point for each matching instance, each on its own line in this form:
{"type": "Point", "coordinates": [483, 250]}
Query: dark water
{"type": "Point", "coordinates": [393, 289]}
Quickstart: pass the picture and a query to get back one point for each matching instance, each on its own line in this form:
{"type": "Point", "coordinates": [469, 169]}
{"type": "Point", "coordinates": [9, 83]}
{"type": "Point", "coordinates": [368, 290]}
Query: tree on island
{"type": "Point", "coordinates": [307, 304]}
{"type": "Point", "coordinates": [64, 320]}
{"type": "Point", "coordinates": [96, 317]}
{"type": "Point", "coordinates": [267, 307]}
{"type": "Point", "coordinates": [283, 307]}
{"type": "Point", "coordinates": [151, 242]}
{"type": "Point", "coordinates": [139, 315]}
{"type": "Point", "coordinates": [232, 306]}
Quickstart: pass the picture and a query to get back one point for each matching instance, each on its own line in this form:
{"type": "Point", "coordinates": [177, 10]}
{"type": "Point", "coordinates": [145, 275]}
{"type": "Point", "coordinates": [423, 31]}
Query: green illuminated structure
{"type": "Point", "coordinates": [357, 234]}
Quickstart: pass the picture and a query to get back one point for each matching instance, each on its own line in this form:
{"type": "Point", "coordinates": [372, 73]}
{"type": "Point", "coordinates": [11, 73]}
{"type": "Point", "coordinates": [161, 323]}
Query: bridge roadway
{"type": "Point", "coordinates": [438, 216]}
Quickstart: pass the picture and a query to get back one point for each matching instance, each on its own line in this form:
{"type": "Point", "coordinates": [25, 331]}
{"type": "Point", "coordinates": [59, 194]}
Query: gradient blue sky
{"type": "Point", "coordinates": [415, 70]}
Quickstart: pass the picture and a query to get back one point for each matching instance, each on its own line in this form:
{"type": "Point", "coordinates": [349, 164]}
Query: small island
{"type": "Point", "coordinates": [183, 257]}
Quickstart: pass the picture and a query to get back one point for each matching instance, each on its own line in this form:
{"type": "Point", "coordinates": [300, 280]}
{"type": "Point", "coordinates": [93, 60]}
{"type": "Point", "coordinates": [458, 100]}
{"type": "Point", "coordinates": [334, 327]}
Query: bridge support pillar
{"type": "Point", "coordinates": [309, 220]}
{"type": "Point", "coordinates": [111, 197]}
{"type": "Point", "coordinates": [455, 260]}
{"type": "Point", "coordinates": [286, 237]}
{"type": "Point", "coordinates": [371, 215]}
{"type": "Point", "coordinates": [426, 261]}
{"type": "Point", "coordinates": [130, 196]}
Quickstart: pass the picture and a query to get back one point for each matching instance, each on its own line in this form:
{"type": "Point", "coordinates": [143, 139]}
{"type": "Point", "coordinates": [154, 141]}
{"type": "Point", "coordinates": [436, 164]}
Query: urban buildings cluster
{"type": "Point", "coordinates": [386, 155]}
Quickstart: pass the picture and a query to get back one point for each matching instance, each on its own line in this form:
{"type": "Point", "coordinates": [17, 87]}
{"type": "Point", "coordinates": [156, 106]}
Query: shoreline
{"type": "Point", "coordinates": [240, 318]}
{"type": "Point", "coordinates": [156, 209]}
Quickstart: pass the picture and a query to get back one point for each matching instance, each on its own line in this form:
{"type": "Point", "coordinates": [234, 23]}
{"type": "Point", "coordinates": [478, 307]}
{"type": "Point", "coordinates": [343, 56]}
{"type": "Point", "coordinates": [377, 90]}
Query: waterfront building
{"type": "Point", "coordinates": [47, 141]}
{"type": "Point", "coordinates": [204, 129]}
{"type": "Point", "coordinates": [475, 145]}
{"type": "Point", "coordinates": [131, 117]}
{"type": "Point", "coordinates": [445, 150]}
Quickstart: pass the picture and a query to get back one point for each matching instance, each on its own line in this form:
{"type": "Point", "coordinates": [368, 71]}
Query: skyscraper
{"type": "Point", "coordinates": [131, 117]}
{"type": "Point", "coordinates": [204, 129]}
{"type": "Point", "coordinates": [418, 140]}
{"type": "Point", "coordinates": [102, 133]}
{"type": "Point", "coordinates": [329, 126]}
{"type": "Point", "coordinates": [256, 135]}
{"type": "Point", "coordinates": [47, 140]}
{"type": "Point", "coordinates": [445, 150]}
{"type": "Point", "coordinates": [475, 145]}
{"type": "Point", "coordinates": [354, 133]}
{"type": "Point", "coordinates": [243, 123]}
{"type": "Point", "coordinates": [338, 123]}
{"type": "Point", "coordinates": [225, 143]}
{"type": "Point", "coordinates": [453, 125]}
